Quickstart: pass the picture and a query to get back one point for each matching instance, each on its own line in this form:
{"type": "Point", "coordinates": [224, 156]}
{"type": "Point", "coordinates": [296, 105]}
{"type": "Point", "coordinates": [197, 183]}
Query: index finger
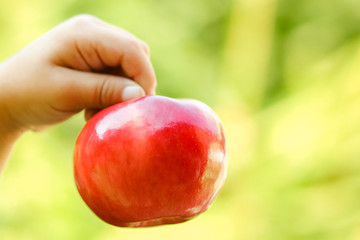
{"type": "Point", "coordinates": [116, 49]}
{"type": "Point", "coordinates": [98, 47]}
{"type": "Point", "coordinates": [116, 28]}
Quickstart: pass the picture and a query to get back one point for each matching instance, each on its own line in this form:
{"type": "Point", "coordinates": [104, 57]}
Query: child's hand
{"type": "Point", "coordinates": [84, 63]}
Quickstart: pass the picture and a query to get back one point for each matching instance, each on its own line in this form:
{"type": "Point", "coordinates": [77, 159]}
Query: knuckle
{"type": "Point", "coordinates": [103, 92]}
{"type": "Point", "coordinates": [134, 44]}
{"type": "Point", "coordinates": [82, 20]}
{"type": "Point", "coordinates": [75, 27]}
{"type": "Point", "coordinates": [145, 46]}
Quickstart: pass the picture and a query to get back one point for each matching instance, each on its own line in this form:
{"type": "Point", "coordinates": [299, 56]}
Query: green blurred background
{"type": "Point", "coordinates": [284, 77]}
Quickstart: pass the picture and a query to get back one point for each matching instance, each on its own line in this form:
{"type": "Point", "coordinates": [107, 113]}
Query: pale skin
{"type": "Point", "coordinates": [83, 63]}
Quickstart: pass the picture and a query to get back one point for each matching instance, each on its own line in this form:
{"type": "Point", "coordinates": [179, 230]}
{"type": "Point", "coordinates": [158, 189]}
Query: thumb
{"type": "Point", "coordinates": [96, 91]}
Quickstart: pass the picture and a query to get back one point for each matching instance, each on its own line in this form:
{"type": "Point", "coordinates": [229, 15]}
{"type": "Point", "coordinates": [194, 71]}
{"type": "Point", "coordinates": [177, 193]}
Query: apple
{"type": "Point", "coordinates": [151, 161]}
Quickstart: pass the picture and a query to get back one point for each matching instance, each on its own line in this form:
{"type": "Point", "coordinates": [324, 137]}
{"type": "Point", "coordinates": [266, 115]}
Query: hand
{"type": "Point", "coordinates": [84, 63]}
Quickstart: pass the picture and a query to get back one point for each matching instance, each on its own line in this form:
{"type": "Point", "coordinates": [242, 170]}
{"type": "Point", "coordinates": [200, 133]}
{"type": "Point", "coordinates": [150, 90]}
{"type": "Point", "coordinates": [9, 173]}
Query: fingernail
{"type": "Point", "coordinates": [131, 92]}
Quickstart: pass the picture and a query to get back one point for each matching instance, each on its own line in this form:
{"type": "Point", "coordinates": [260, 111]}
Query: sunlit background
{"type": "Point", "coordinates": [284, 77]}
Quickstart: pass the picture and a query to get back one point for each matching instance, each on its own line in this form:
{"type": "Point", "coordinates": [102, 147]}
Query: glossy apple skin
{"type": "Point", "coordinates": [151, 161]}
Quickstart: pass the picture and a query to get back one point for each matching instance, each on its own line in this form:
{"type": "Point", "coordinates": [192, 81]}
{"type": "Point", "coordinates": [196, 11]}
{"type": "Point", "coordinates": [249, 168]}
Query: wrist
{"type": "Point", "coordinates": [9, 131]}
{"type": "Point", "coordinates": [8, 137]}
{"type": "Point", "coordinates": [8, 128]}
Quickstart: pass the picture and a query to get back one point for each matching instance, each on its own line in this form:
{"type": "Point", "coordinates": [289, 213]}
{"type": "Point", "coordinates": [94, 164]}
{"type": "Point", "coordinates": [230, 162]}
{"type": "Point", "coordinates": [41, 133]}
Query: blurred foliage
{"type": "Point", "coordinates": [284, 76]}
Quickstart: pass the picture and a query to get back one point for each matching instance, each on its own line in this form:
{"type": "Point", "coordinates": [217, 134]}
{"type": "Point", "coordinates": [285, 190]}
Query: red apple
{"type": "Point", "coordinates": [151, 161]}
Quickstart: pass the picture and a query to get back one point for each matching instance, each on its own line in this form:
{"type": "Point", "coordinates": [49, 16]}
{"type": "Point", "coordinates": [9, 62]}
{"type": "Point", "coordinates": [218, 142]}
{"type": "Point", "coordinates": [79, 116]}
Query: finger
{"type": "Point", "coordinates": [109, 26]}
{"type": "Point", "coordinates": [79, 90]}
{"type": "Point", "coordinates": [122, 50]}
{"type": "Point", "coordinates": [112, 49]}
